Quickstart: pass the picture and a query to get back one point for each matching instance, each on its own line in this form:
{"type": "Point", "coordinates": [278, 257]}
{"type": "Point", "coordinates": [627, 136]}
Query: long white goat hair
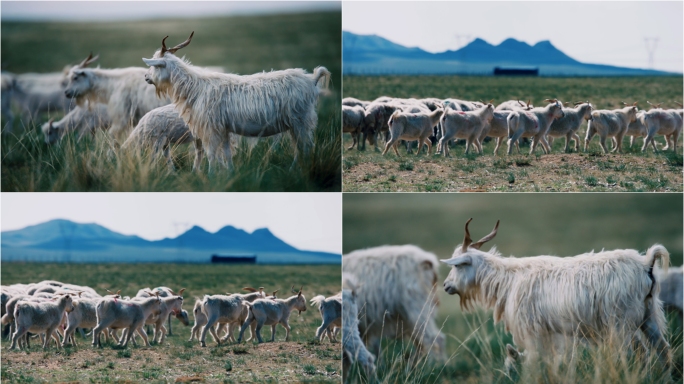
{"type": "Point", "coordinates": [208, 101]}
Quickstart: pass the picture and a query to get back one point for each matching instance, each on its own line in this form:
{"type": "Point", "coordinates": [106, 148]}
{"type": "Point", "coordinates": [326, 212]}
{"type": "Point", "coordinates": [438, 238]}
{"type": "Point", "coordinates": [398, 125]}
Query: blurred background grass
{"type": "Point", "coordinates": [532, 224]}
{"type": "Point", "coordinates": [239, 44]}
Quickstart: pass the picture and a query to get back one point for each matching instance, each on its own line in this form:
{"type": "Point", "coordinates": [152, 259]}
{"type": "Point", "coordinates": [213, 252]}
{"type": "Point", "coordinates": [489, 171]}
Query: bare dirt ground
{"type": "Point", "coordinates": [369, 171]}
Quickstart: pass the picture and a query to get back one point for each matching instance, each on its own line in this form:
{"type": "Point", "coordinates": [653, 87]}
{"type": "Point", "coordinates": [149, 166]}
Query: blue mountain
{"type": "Point", "coordinates": [372, 54]}
{"type": "Point", "coordinates": [64, 240]}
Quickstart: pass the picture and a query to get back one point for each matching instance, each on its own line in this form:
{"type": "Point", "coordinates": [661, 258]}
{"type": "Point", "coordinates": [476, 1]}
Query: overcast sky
{"type": "Point", "coordinates": [308, 221]}
{"type": "Point", "coordinates": [592, 32]}
{"type": "Point", "coordinates": [120, 10]}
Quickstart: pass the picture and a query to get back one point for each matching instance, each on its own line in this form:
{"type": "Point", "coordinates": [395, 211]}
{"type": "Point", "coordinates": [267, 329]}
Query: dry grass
{"type": "Point", "coordinates": [299, 360]}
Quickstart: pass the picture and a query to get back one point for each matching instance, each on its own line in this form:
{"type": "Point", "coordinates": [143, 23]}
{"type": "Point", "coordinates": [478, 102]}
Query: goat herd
{"type": "Point", "coordinates": [547, 303]}
{"type": "Point", "coordinates": [433, 121]}
{"type": "Point", "coordinates": [172, 102]}
{"type": "Point", "coordinates": [52, 308]}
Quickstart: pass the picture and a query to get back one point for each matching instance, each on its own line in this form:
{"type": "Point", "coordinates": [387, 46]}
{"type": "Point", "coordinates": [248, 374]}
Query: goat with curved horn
{"type": "Point", "coordinates": [88, 60]}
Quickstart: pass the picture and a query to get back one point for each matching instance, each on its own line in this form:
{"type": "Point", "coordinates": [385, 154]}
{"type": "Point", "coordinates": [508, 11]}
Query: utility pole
{"type": "Point", "coordinates": [651, 45]}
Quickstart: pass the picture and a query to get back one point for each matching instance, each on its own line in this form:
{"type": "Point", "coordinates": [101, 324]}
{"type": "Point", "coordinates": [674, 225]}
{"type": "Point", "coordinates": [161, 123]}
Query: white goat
{"type": "Point", "coordinates": [513, 105]}
{"type": "Point", "coordinates": [160, 129]}
{"type": "Point", "coordinates": [216, 105]}
{"type": "Point", "coordinates": [82, 119]}
{"type": "Point", "coordinates": [352, 102]}
{"type": "Point", "coordinates": [546, 302]}
{"type": "Point", "coordinates": [331, 312]}
{"type": "Point", "coordinates": [220, 309]}
{"type": "Point", "coordinates": [130, 315]}
{"type": "Point", "coordinates": [353, 123]}
{"type": "Point", "coordinates": [397, 296]}
{"type": "Point", "coordinates": [412, 126]}
{"type": "Point", "coordinates": [464, 125]}
{"type": "Point", "coordinates": [273, 312]}
{"type": "Point", "coordinates": [662, 122]}
{"type": "Point", "coordinates": [534, 123]}
{"type": "Point", "coordinates": [122, 90]}
{"type": "Point", "coordinates": [610, 124]}
{"type": "Point", "coordinates": [568, 125]}
{"type": "Point", "coordinates": [42, 317]}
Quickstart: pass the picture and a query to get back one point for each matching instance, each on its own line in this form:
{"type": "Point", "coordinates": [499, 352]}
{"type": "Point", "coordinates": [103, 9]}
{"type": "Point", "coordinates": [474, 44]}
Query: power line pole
{"type": "Point", "coordinates": [651, 45]}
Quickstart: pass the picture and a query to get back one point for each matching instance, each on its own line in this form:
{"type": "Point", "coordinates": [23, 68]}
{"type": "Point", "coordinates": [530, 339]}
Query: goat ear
{"type": "Point", "coordinates": [461, 260]}
{"type": "Point", "coordinates": [155, 62]}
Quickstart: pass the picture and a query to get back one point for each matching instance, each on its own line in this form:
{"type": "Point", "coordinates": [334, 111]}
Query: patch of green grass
{"type": "Point", "coordinates": [406, 165]}
{"type": "Point", "coordinates": [309, 369]}
{"type": "Point", "coordinates": [124, 353]}
{"type": "Point", "coordinates": [591, 181]}
{"type": "Point", "coordinates": [522, 161]}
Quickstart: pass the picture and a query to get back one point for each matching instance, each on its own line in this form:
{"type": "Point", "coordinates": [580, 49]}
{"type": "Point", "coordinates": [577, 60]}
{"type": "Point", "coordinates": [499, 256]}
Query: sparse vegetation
{"type": "Point", "coordinates": [178, 359]}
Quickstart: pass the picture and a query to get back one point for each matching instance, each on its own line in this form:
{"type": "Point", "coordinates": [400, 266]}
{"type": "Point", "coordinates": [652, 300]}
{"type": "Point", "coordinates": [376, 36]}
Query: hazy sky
{"type": "Point", "coordinates": [128, 10]}
{"type": "Point", "coordinates": [309, 221]}
{"type": "Point", "coordinates": [593, 32]}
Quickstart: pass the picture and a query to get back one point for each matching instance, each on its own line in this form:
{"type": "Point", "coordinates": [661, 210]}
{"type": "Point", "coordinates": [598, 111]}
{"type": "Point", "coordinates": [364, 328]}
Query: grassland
{"type": "Point", "coordinates": [302, 359]}
{"type": "Point", "coordinates": [243, 45]}
{"type": "Point", "coordinates": [558, 172]}
{"type": "Point", "coordinates": [531, 224]}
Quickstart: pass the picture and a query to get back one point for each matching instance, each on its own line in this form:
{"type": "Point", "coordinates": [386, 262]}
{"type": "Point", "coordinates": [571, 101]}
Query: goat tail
{"type": "Point", "coordinates": [391, 119]}
{"type": "Point", "coordinates": [321, 73]}
{"type": "Point", "coordinates": [657, 251]}
{"type": "Point", "coordinates": [317, 301]}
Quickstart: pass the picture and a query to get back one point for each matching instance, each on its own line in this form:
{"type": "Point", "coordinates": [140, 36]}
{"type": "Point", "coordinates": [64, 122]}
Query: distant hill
{"type": "Point", "coordinates": [374, 55]}
{"type": "Point", "coordinates": [67, 241]}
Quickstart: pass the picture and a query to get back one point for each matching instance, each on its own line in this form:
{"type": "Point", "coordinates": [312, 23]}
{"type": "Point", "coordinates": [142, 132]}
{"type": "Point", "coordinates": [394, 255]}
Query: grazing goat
{"type": "Point", "coordinates": [216, 105]}
{"type": "Point", "coordinates": [412, 126]}
{"type": "Point", "coordinates": [122, 90]}
{"type": "Point", "coordinates": [610, 124]}
{"type": "Point", "coordinates": [568, 125]}
{"type": "Point", "coordinates": [331, 312]}
{"type": "Point", "coordinates": [534, 123]}
{"type": "Point", "coordinates": [41, 317]}
{"type": "Point", "coordinates": [376, 120]}
{"type": "Point", "coordinates": [352, 346]}
{"type": "Point", "coordinates": [464, 125]}
{"type": "Point", "coordinates": [82, 120]}
{"type": "Point", "coordinates": [160, 129]}
{"type": "Point", "coordinates": [353, 123]}
{"type": "Point", "coordinates": [546, 302]}
{"type": "Point", "coordinates": [397, 296]}
{"type": "Point", "coordinates": [273, 312]}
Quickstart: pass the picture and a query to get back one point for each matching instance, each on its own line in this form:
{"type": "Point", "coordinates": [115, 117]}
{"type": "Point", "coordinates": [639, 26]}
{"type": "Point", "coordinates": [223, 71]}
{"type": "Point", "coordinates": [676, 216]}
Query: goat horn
{"type": "Point", "coordinates": [521, 103]}
{"type": "Point", "coordinates": [172, 292]}
{"type": "Point", "coordinates": [50, 122]}
{"type": "Point", "coordinates": [274, 292]}
{"type": "Point", "coordinates": [164, 49]}
{"type": "Point", "coordinates": [249, 289]}
{"type": "Point", "coordinates": [467, 240]}
{"type": "Point", "coordinates": [485, 239]}
{"type": "Point", "coordinates": [292, 289]}
{"type": "Point", "coordinates": [680, 104]}
{"type": "Point", "coordinates": [490, 101]}
{"type": "Point", "coordinates": [85, 61]}
{"type": "Point", "coordinates": [528, 102]}
{"type": "Point", "coordinates": [635, 103]}
{"type": "Point", "coordinates": [179, 46]}
{"type": "Point", "coordinates": [89, 60]}
{"type": "Point", "coordinates": [180, 293]}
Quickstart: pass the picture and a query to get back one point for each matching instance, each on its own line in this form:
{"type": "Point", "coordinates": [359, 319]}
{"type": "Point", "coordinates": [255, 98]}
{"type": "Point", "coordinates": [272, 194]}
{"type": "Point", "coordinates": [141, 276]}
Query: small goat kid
{"type": "Point", "coordinates": [273, 312]}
